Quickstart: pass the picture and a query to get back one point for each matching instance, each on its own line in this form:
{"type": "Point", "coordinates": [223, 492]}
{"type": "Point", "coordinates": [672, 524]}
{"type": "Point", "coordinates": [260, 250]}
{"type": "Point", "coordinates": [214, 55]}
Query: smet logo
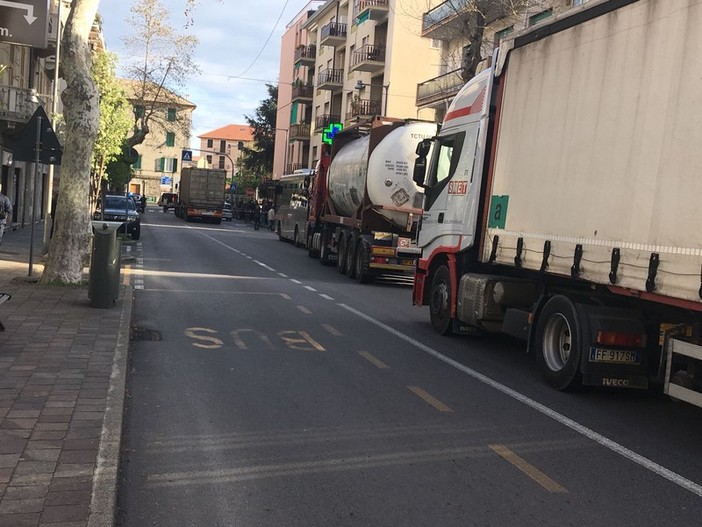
{"type": "Point", "coordinates": [458, 187]}
{"type": "Point", "coordinates": [622, 383]}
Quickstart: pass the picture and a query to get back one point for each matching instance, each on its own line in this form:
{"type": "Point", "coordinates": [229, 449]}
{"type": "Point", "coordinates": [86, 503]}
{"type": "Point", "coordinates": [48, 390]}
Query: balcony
{"type": "Point", "coordinates": [333, 34]}
{"type": "Point", "coordinates": [292, 167]}
{"type": "Point", "coordinates": [439, 89]}
{"type": "Point", "coordinates": [376, 10]}
{"type": "Point", "coordinates": [305, 55]}
{"type": "Point", "coordinates": [364, 108]}
{"type": "Point", "coordinates": [300, 132]}
{"type": "Point", "coordinates": [330, 79]}
{"type": "Point", "coordinates": [14, 106]}
{"type": "Point", "coordinates": [368, 58]}
{"type": "Point", "coordinates": [302, 93]}
{"type": "Point", "coordinates": [450, 20]}
{"type": "Point", "coordinates": [323, 121]}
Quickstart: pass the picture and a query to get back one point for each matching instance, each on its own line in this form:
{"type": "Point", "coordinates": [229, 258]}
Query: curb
{"type": "Point", "coordinates": [103, 503]}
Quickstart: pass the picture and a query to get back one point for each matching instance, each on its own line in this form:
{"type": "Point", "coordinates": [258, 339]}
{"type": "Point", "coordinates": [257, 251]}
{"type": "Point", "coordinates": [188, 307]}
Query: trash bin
{"type": "Point", "coordinates": [103, 282]}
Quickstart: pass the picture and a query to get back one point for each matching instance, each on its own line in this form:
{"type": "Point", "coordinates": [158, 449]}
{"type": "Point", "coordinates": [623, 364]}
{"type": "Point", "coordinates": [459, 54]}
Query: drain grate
{"type": "Point", "coordinates": [139, 334]}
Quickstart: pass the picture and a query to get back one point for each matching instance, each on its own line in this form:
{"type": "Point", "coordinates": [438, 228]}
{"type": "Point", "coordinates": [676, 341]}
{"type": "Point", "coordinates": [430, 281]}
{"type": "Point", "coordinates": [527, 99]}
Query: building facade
{"type": "Point", "coordinates": [29, 78]}
{"type": "Point", "coordinates": [446, 25]}
{"type": "Point", "coordinates": [352, 59]}
{"type": "Point", "coordinates": [157, 167]}
{"type": "Point", "coordinates": [222, 147]}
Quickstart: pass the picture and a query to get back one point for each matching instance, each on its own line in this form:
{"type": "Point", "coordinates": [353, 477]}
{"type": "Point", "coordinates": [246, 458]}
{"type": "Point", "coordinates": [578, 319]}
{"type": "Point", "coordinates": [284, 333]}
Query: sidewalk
{"type": "Point", "coordinates": [62, 383]}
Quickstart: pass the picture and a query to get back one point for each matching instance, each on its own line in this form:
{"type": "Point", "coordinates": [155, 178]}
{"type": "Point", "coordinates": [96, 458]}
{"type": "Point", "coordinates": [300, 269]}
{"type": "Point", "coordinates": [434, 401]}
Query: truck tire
{"type": "Point", "coordinates": [557, 342]}
{"type": "Point", "coordinates": [362, 262]}
{"type": "Point", "coordinates": [342, 251]}
{"type": "Point", "coordinates": [352, 244]}
{"type": "Point", "coordinates": [440, 301]}
{"type": "Point", "coordinates": [311, 251]}
{"type": "Point", "coordinates": [324, 251]}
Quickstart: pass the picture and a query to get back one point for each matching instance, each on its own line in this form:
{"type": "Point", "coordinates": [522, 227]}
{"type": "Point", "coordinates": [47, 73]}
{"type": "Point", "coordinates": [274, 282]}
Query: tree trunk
{"type": "Point", "coordinates": [70, 244]}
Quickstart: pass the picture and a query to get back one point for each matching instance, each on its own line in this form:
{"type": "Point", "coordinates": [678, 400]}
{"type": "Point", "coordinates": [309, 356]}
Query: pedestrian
{"type": "Point", "coordinates": [5, 212]}
{"type": "Point", "coordinates": [143, 203]}
{"type": "Point", "coordinates": [271, 218]}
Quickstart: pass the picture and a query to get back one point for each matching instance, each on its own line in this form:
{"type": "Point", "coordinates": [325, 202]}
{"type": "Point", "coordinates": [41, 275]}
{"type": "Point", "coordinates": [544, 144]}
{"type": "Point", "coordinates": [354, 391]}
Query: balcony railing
{"type": "Point", "coordinates": [447, 20]}
{"type": "Point", "coordinates": [439, 88]}
{"type": "Point", "coordinates": [300, 132]}
{"type": "Point", "coordinates": [292, 167]}
{"type": "Point", "coordinates": [302, 91]}
{"type": "Point", "coordinates": [14, 104]}
{"type": "Point", "coordinates": [305, 54]}
{"type": "Point", "coordinates": [365, 108]}
{"type": "Point", "coordinates": [370, 9]}
{"type": "Point", "coordinates": [368, 58]}
{"type": "Point", "coordinates": [322, 121]}
{"type": "Point", "coordinates": [330, 79]}
{"type": "Point", "coordinates": [333, 33]}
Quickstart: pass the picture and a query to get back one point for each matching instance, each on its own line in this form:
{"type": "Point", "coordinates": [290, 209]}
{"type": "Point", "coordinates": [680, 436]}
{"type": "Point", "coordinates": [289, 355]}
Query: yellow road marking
{"type": "Point", "coordinates": [370, 358]}
{"type": "Point", "coordinates": [426, 397]}
{"type": "Point", "coordinates": [331, 329]}
{"type": "Point", "coordinates": [304, 310]}
{"type": "Point", "coordinates": [301, 344]}
{"type": "Point", "coordinates": [528, 469]}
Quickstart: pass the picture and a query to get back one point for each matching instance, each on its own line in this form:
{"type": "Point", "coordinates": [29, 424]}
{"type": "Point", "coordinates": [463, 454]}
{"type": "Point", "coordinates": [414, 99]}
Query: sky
{"type": "Point", "coordinates": [232, 33]}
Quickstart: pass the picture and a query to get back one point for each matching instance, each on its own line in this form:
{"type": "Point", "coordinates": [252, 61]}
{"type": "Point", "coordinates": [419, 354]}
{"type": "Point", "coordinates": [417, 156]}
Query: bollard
{"type": "Point", "coordinates": [103, 282]}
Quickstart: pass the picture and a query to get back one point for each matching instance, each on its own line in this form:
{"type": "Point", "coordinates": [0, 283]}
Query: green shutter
{"type": "Point", "coordinates": [171, 114]}
{"type": "Point", "coordinates": [175, 164]}
{"type": "Point", "coordinates": [170, 139]}
{"type": "Point", "coordinates": [161, 164]}
{"type": "Point", "coordinates": [137, 163]}
{"type": "Point", "coordinates": [293, 113]}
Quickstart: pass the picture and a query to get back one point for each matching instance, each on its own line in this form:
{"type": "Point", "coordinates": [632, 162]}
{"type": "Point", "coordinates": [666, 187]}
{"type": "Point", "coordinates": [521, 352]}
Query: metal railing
{"type": "Point", "coordinates": [305, 52]}
{"type": "Point", "coordinates": [300, 131]}
{"type": "Point", "coordinates": [15, 104]}
{"type": "Point", "coordinates": [443, 86]}
{"type": "Point", "coordinates": [368, 53]}
{"type": "Point", "coordinates": [334, 29]}
{"type": "Point", "coordinates": [330, 76]}
{"type": "Point", "coordinates": [302, 91]}
{"type": "Point", "coordinates": [322, 121]}
{"type": "Point", "coordinates": [365, 107]}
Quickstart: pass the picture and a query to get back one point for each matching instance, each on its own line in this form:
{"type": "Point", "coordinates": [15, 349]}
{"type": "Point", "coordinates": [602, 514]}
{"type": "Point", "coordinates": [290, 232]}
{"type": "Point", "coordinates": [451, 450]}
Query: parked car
{"type": "Point", "coordinates": [227, 212]}
{"type": "Point", "coordinates": [168, 200]}
{"type": "Point", "coordinates": [120, 208]}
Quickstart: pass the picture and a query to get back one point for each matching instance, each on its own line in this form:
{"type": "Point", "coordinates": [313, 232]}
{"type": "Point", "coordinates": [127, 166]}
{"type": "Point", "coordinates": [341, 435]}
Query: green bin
{"type": "Point", "coordinates": [103, 283]}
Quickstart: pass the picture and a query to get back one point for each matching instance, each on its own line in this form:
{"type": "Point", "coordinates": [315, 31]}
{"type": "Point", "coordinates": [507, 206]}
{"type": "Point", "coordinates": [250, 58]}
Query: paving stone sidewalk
{"type": "Point", "coordinates": [62, 384]}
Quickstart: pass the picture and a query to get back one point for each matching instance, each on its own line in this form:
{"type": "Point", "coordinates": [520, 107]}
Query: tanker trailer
{"type": "Point", "coordinates": [365, 205]}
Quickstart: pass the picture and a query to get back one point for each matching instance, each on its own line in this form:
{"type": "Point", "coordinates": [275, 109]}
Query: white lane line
{"type": "Point", "coordinates": [304, 310]}
{"type": "Point", "coordinates": [264, 265]}
{"type": "Point", "coordinates": [295, 281]}
{"type": "Point", "coordinates": [326, 297]}
{"type": "Point", "coordinates": [310, 288]}
{"type": "Point", "coordinates": [646, 463]}
{"type": "Point", "coordinates": [282, 275]}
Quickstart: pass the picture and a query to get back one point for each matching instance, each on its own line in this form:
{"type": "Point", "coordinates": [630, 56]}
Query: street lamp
{"type": "Point", "coordinates": [360, 85]}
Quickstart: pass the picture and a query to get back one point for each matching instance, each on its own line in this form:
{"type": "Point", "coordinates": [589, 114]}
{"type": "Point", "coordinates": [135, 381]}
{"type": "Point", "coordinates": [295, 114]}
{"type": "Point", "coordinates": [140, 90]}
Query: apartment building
{"type": "Point", "coordinates": [355, 59]}
{"type": "Point", "coordinates": [28, 78]}
{"type": "Point", "coordinates": [293, 117]}
{"type": "Point", "coordinates": [222, 147]}
{"type": "Point", "coordinates": [446, 25]}
{"type": "Point", "coordinates": [157, 167]}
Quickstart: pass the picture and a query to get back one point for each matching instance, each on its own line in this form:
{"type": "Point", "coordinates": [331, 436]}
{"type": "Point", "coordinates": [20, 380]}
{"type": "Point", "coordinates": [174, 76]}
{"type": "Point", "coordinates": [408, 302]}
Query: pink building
{"type": "Point", "coordinates": [221, 148]}
{"type": "Point", "coordinates": [295, 89]}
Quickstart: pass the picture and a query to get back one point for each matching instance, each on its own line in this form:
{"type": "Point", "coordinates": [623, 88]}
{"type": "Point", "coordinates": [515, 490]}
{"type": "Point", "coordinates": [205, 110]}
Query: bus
{"type": "Point", "coordinates": [292, 195]}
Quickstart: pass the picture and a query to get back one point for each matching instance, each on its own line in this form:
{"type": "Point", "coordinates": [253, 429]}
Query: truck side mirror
{"type": "Point", "coordinates": [420, 164]}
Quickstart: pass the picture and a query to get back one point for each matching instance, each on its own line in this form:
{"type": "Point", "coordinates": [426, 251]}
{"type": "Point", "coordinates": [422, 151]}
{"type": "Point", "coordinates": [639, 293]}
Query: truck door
{"type": "Point", "coordinates": [447, 187]}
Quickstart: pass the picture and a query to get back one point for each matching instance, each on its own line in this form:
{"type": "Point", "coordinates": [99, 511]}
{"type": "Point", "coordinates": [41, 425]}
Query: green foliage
{"type": "Point", "coordinates": [115, 118]}
{"type": "Point", "coordinates": [257, 162]}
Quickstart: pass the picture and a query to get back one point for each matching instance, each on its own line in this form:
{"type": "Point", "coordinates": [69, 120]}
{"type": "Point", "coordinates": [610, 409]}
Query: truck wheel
{"type": "Point", "coordinates": [311, 252]}
{"type": "Point", "coordinates": [342, 251]}
{"type": "Point", "coordinates": [324, 251]}
{"type": "Point", "coordinates": [362, 262]}
{"type": "Point", "coordinates": [440, 301]}
{"type": "Point", "coordinates": [351, 247]}
{"type": "Point", "coordinates": [558, 343]}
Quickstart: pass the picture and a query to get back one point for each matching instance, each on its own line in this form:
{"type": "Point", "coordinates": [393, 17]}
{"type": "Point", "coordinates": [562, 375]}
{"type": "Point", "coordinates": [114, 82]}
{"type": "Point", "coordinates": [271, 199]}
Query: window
{"type": "Point", "coordinates": [209, 143]}
{"type": "Point", "coordinates": [221, 161]}
{"type": "Point", "coordinates": [170, 139]}
{"type": "Point", "coordinates": [137, 164]}
{"type": "Point", "coordinates": [139, 111]}
{"type": "Point", "coordinates": [171, 115]}
{"type": "Point", "coordinates": [222, 146]}
{"type": "Point", "coordinates": [209, 160]}
{"type": "Point", "coordinates": [538, 17]}
{"type": "Point", "coordinates": [166, 164]}
{"type": "Point", "coordinates": [502, 33]}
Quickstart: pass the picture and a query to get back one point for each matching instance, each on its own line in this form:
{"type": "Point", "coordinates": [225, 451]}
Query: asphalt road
{"type": "Point", "coordinates": [284, 394]}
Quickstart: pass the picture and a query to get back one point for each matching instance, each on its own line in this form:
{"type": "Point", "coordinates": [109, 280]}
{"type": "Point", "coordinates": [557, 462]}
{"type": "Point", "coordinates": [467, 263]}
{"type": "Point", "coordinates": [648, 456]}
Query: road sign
{"type": "Point", "coordinates": [186, 155]}
{"type": "Point", "coordinates": [166, 181]}
{"type": "Point", "coordinates": [49, 147]}
{"type": "Point", "coordinates": [24, 22]}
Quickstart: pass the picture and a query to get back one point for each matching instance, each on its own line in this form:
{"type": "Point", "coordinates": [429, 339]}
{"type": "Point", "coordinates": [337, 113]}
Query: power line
{"type": "Point", "coordinates": [266, 42]}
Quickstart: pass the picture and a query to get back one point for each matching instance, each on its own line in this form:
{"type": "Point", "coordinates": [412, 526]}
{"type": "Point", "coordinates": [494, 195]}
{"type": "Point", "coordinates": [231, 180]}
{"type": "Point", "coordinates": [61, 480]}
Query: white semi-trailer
{"type": "Point", "coordinates": [562, 199]}
{"type": "Point", "coordinates": [365, 205]}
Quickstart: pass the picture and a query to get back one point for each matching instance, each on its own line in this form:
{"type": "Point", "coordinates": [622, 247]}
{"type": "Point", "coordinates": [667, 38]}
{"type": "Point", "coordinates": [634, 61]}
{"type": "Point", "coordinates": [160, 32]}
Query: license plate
{"type": "Point", "coordinates": [615, 356]}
